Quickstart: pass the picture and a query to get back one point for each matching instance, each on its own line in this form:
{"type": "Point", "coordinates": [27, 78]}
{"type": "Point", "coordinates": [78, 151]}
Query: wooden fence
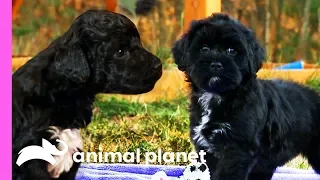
{"type": "Point", "coordinates": [198, 9]}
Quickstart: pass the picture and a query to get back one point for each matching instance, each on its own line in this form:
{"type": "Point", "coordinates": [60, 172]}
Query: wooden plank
{"type": "Point", "coordinates": [199, 9]}
{"type": "Point", "coordinates": [300, 76]}
{"type": "Point", "coordinates": [172, 83]}
{"type": "Point", "coordinates": [18, 62]}
{"type": "Point", "coordinates": [212, 6]}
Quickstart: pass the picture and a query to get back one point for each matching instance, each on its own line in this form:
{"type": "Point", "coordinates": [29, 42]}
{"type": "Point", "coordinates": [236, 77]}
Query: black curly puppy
{"type": "Point", "coordinates": [53, 93]}
{"type": "Point", "coordinates": [247, 126]}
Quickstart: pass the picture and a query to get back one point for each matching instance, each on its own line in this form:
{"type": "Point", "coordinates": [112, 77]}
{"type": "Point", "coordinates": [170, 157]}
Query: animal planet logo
{"type": "Point", "coordinates": [45, 152]}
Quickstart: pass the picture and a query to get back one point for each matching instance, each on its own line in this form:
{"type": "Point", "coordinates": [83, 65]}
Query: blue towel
{"type": "Point", "coordinates": [145, 172]}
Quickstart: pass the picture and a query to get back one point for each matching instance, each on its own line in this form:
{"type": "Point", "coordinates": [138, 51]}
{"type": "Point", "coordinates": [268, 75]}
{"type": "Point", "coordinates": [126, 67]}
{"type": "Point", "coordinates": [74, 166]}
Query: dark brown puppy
{"type": "Point", "coordinates": [247, 126]}
{"type": "Point", "coordinates": [53, 93]}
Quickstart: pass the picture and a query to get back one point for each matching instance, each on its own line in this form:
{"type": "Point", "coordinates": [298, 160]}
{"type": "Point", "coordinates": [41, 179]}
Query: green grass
{"type": "Point", "coordinates": [314, 83]}
{"type": "Point", "coordinates": [123, 126]}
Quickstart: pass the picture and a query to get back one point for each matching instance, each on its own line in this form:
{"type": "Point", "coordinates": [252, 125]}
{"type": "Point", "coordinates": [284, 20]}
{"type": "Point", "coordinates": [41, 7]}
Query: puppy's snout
{"type": "Point", "coordinates": [216, 66]}
{"type": "Point", "coordinates": [157, 64]}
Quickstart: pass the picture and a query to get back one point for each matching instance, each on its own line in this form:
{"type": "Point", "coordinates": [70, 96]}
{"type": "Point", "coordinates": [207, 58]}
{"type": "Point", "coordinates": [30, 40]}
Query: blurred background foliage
{"type": "Point", "coordinates": [289, 29]}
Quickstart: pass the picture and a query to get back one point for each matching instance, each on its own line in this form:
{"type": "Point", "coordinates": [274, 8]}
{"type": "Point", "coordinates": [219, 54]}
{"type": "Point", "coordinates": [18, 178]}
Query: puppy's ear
{"type": "Point", "coordinates": [179, 51]}
{"type": "Point", "coordinates": [194, 24]}
{"type": "Point", "coordinates": [71, 63]}
{"type": "Point", "coordinates": [259, 55]}
{"type": "Point", "coordinates": [180, 48]}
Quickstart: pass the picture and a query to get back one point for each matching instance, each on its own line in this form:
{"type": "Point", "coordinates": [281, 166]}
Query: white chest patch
{"type": "Point", "coordinates": [204, 102]}
{"type": "Point", "coordinates": [73, 139]}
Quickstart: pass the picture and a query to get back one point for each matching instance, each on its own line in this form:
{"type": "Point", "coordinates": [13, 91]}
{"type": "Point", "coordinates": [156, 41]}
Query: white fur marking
{"type": "Point", "coordinates": [73, 139]}
{"type": "Point", "coordinates": [223, 129]}
{"type": "Point", "coordinates": [213, 80]}
{"type": "Point", "coordinates": [218, 99]}
{"type": "Point", "coordinates": [204, 101]}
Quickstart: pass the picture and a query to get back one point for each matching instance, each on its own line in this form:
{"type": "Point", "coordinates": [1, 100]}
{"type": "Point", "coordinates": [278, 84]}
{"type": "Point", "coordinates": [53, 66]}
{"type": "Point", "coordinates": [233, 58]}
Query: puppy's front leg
{"type": "Point", "coordinates": [235, 164]}
{"type": "Point", "coordinates": [65, 168]}
{"type": "Point", "coordinates": [211, 161]}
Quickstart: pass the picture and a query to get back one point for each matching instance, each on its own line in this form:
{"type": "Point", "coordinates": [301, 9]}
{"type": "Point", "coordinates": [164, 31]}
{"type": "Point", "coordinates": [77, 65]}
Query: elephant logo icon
{"type": "Point", "coordinates": [45, 152]}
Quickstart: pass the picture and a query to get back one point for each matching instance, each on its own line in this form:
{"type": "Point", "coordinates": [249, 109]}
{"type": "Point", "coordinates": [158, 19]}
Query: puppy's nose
{"type": "Point", "coordinates": [157, 65]}
{"type": "Point", "coordinates": [216, 66]}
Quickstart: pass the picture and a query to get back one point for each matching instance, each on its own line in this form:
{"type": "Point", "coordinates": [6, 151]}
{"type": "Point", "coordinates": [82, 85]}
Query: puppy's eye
{"type": "Point", "coordinates": [204, 49]}
{"type": "Point", "coordinates": [119, 53]}
{"type": "Point", "coordinates": [231, 52]}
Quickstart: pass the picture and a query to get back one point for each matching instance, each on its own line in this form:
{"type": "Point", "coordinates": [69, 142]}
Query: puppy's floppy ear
{"type": "Point", "coordinates": [194, 24]}
{"type": "Point", "coordinates": [258, 53]}
{"type": "Point", "coordinates": [259, 56]}
{"type": "Point", "coordinates": [179, 51]}
{"type": "Point", "coordinates": [71, 63]}
{"type": "Point", "coordinates": [180, 47]}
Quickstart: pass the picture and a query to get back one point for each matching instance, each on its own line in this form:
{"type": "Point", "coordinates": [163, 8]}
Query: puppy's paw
{"type": "Point", "coordinates": [220, 130]}
{"type": "Point", "coordinates": [218, 138]}
{"type": "Point", "coordinates": [64, 162]}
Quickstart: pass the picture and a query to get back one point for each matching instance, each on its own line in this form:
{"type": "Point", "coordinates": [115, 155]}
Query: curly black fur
{"type": "Point", "coordinates": [247, 126]}
{"type": "Point", "coordinates": [100, 53]}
